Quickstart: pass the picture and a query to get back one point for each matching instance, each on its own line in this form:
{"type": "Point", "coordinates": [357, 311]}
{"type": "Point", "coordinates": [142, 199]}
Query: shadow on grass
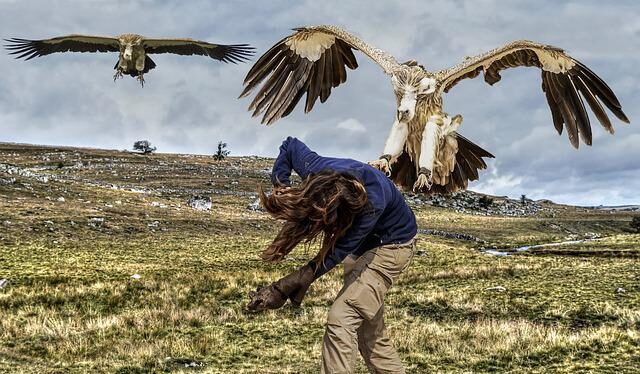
{"type": "Point", "coordinates": [585, 253]}
{"type": "Point", "coordinates": [583, 317]}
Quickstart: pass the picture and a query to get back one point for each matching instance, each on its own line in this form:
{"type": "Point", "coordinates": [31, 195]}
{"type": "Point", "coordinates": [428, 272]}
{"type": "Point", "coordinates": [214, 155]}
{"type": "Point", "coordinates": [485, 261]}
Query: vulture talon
{"type": "Point", "coordinates": [424, 180]}
{"type": "Point", "coordinates": [141, 79]}
{"type": "Point", "coordinates": [383, 165]}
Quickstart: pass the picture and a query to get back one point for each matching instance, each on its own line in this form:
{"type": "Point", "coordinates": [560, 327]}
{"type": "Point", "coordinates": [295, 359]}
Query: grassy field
{"type": "Point", "coordinates": [79, 223]}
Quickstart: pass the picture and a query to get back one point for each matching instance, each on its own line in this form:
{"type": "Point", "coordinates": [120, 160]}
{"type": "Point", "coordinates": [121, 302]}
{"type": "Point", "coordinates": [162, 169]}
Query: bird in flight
{"type": "Point", "coordinates": [134, 50]}
{"type": "Point", "coordinates": [424, 151]}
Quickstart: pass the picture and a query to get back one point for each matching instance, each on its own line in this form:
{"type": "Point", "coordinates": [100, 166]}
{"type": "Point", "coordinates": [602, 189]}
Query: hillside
{"type": "Point", "coordinates": [109, 269]}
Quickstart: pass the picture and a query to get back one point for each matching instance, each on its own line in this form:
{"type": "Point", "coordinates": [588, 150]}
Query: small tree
{"type": "Point", "coordinates": [523, 199]}
{"type": "Point", "coordinates": [485, 202]}
{"type": "Point", "coordinates": [143, 146]}
{"type": "Point", "coordinates": [222, 152]}
{"type": "Point", "coordinates": [635, 223]}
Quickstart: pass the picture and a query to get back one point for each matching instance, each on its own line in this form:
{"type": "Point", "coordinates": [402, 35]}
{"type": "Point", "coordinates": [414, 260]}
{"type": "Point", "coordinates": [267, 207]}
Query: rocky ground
{"type": "Point", "coordinates": [474, 203]}
{"type": "Point", "coordinates": [130, 172]}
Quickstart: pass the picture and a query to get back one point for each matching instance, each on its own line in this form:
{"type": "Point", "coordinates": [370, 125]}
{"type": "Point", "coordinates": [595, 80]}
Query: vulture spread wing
{"type": "Point", "coordinates": [29, 49]}
{"type": "Point", "coordinates": [226, 53]}
{"type": "Point", "coordinates": [564, 81]}
{"type": "Point", "coordinates": [312, 60]}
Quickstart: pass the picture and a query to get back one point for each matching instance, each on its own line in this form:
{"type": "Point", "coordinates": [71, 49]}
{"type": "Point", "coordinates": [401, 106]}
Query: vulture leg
{"type": "Point", "coordinates": [118, 73]}
{"type": "Point", "coordinates": [428, 152]}
{"type": "Point", "coordinates": [119, 70]}
{"type": "Point", "coordinates": [141, 78]}
{"type": "Point", "coordinates": [392, 147]}
{"type": "Point", "coordinates": [140, 67]}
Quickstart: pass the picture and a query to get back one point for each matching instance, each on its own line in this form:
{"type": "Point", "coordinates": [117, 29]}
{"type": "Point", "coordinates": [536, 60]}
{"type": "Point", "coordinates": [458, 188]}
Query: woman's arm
{"type": "Point", "coordinates": [294, 155]}
{"type": "Point", "coordinates": [350, 243]}
{"type": "Point", "coordinates": [282, 167]}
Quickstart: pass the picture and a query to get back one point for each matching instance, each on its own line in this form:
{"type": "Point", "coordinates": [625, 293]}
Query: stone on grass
{"type": "Point", "coordinates": [256, 206]}
{"type": "Point", "coordinates": [96, 222]}
{"type": "Point", "coordinates": [496, 289]}
{"type": "Point", "coordinates": [7, 181]}
{"type": "Point", "coordinates": [198, 202]}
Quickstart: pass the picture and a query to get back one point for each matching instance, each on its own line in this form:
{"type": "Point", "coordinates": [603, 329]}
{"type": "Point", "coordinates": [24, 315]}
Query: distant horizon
{"type": "Point", "coordinates": [272, 157]}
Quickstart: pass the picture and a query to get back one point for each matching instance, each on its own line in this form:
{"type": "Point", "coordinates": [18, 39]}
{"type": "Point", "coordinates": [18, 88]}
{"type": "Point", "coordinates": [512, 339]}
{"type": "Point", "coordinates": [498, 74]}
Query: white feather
{"type": "Point", "coordinates": [427, 85]}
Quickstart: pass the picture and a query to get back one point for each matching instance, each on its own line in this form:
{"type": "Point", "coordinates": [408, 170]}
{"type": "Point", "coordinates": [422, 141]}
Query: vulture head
{"type": "Point", "coordinates": [411, 85]}
{"type": "Point", "coordinates": [130, 45]}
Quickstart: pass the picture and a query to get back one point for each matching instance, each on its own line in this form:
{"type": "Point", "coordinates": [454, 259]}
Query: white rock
{"type": "Point", "coordinates": [136, 276]}
{"type": "Point", "coordinates": [96, 222]}
{"type": "Point", "coordinates": [496, 288]}
{"type": "Point", "coordinates": [256, 206]}
{"type": "Point", "coordinates": [202, 203]}
{"type": "Point", "coordinates": [61, 199]}
{"type": "Point", "coordinates": [3, 283]}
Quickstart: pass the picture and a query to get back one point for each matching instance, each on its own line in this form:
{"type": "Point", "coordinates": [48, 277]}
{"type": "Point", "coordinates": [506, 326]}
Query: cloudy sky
{"type": "Point", "coordinates": [188, 104]}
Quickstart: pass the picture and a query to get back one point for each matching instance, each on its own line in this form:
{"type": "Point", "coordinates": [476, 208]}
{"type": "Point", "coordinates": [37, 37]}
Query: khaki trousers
{"type": "Point", "coordinates": [356, 318]}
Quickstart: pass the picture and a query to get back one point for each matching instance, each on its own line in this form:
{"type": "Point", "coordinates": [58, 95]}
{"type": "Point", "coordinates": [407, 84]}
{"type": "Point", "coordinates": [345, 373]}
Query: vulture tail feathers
{"type": "Point", "coordinates": [469, 160]}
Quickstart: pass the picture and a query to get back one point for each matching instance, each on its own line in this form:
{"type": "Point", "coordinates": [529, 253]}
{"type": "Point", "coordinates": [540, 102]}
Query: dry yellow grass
{"type": "Point", "coordinates": [71, 305]}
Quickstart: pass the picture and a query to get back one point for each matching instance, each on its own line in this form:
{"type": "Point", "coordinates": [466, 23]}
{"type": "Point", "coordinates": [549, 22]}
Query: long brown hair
{"type": "Point", "coordinates": [324, 206]}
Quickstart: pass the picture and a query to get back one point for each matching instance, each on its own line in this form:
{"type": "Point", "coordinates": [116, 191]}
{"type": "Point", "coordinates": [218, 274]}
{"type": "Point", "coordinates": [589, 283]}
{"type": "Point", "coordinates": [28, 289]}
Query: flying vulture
{"type": "Point", "coordinates": [134, 50]}
{"type": "Point", "coordinates": [424, 150]}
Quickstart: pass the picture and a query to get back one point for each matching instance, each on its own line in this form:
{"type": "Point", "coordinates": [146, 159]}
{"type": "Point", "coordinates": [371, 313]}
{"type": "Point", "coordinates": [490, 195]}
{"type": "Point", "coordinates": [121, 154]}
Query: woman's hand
{"type": "Point", "coordinates": [266, 298]}
{"type": "Point", "coordinates": [294, 287]}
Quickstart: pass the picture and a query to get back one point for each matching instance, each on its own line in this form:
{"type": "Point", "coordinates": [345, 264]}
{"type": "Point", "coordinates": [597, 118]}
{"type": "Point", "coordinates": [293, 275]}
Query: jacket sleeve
{"type": "Point", "coordinates": [293, 154]}
{"type": "Point", "coordinates": [350, 243]}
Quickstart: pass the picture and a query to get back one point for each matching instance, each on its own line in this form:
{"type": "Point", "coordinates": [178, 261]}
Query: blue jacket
{"type": "Point", "coordinates": [388, 220]}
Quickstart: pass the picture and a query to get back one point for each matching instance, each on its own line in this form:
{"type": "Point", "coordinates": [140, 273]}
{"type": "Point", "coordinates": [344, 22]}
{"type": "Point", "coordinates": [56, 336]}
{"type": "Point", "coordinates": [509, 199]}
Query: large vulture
{"type": "Point", "coordinates": [424, 151]}
{"type": "Point", "coordinates": [134, 50]}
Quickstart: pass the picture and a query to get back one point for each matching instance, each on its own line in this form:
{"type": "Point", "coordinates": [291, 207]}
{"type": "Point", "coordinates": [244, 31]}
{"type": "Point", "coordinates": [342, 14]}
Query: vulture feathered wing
{"type": "Point", "coordinates": [226, 53]}
{"type": "Point", "coordinates": [469, 160]}
{"type": "Point", "coordinates": [312, 60]}
{"type": "Point", "coordinates": [565, 81]}
{"type": "Point", "coordinates": [28, 49]}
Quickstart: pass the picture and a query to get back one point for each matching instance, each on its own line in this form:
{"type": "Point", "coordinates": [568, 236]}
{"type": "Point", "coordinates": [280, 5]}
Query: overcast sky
{"type": "Point", "coordinates": [189, 103]}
